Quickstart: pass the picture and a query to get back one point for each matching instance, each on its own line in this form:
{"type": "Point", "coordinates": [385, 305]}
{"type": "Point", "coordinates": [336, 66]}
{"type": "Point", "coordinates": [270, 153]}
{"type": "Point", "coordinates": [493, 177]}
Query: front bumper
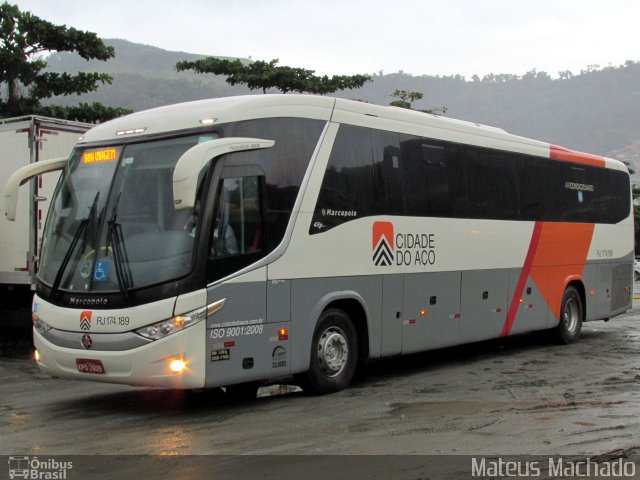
{"type": "Point", "coordinates": [146, 365]}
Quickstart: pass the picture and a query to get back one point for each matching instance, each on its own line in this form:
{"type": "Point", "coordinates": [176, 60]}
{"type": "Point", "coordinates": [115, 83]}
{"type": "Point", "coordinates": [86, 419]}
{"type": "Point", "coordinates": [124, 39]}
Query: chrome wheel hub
{"type": "Point", "coordinates": [570, 315]}
{"type": "Point", "coordinates": [333, 351]}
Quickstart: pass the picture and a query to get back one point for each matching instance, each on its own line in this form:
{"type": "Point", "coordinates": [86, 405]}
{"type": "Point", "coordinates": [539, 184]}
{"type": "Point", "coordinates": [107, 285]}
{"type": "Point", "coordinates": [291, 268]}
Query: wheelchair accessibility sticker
{"type": "Point", "coordinates": [101, 270]}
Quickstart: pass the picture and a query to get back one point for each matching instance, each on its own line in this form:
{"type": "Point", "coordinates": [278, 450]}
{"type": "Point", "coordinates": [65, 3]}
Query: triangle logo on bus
{"type": "Point", "coordinates": [85, 320]}
{"type": "Point", "coordinates": [383, 246]}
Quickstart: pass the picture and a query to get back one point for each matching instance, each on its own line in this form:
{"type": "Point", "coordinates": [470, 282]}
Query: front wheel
{"type": "Point", "coordinates": [334, 354]}
{"type": "Point", "coordinates": [571, 315]}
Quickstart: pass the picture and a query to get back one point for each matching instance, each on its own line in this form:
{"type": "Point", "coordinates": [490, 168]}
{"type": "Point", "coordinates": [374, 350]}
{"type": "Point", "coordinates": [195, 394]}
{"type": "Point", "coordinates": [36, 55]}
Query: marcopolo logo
{"type": "Point", "coordinates": [391, 247]}
{"type": "Point", "coordinates": [383, 244]}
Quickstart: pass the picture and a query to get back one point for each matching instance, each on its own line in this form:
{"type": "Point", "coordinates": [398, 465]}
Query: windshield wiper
{"type": "Point", "coordinates": [82, 229]}
{"type": "Point", "coordinates": [120, 258]}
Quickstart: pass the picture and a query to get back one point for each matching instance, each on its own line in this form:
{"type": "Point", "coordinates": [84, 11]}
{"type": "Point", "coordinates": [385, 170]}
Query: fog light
{"type": "Point", "coordinates": [177, 366]}
{"type": "Point", "coordinates": [36, 355]}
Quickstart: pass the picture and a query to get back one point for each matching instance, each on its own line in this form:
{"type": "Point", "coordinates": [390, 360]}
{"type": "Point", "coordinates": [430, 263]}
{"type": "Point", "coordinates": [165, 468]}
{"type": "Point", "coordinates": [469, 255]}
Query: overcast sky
{"type": "Point", "coordinates": [420, 37]}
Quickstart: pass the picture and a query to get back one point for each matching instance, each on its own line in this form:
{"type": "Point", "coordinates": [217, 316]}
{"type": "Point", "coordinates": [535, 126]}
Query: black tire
{"type": "Point", "coordinates": [636, 275]}
{"type": "Point", "coordinates": [571, 316]}
{"type": "Point", "coordinates": [334, 354]}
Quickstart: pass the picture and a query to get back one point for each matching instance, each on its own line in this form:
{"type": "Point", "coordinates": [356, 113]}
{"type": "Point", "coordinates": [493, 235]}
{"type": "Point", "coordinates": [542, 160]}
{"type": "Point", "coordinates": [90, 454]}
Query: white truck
{"type": "Point", "coordinates": [25, 140]}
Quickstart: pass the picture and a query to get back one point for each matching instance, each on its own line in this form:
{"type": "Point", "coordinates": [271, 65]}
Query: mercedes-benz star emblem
{"type": "Point", "coordinates": [86, 341]}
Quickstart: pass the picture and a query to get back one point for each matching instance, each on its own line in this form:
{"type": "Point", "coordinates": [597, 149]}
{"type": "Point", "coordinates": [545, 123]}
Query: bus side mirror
{"type": "Point", "coordinates": [21, 176]}
{"type": "Point", "coordinates": [194, 160]}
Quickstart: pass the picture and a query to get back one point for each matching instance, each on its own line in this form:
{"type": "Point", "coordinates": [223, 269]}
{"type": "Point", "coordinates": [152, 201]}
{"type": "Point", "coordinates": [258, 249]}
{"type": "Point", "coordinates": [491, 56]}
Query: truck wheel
{"type": "Point", "coordinates": [334, 354]}
{"type": "Point", "coordinates": [571, 314]}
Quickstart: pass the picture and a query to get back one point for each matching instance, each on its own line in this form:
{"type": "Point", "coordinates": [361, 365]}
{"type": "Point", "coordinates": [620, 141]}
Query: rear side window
{"type": "Point", "coordinates": [374, 172]}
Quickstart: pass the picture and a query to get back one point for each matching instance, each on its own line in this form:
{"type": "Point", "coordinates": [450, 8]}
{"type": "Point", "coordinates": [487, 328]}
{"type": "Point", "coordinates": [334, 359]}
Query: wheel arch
{"type": "Point", "coordinates": [359, 316]}
{"type": "Point", "coordinates": [578, 284]}
{"type": "Point", "coordinates": [354, 305]}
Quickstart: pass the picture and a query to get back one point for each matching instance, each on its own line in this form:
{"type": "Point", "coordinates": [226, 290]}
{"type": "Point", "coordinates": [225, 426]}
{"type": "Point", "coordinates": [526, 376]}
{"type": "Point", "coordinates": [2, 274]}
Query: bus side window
{"type": "Point", "coordinates": [426, 179]}
{"type": "Point", "coordinates": [236, 236]}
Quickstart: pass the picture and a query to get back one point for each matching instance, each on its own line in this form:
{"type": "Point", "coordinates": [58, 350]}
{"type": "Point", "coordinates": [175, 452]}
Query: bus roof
{"type": "Point", "coordinates": [197, 114]}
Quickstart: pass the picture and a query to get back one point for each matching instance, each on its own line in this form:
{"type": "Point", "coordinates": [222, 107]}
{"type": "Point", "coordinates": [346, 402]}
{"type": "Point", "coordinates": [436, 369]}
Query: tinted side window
{"type": "Point", "coordinates": [576, 193]}
{"type": "Point", "coordinates": [374, 172]}
{"type": "Point", "coordinates": [235, 239]}
{"type": "Point", "coordinates": [492, 184]}
{"type": "Point", "coordinates": [347, 190]}
{"type": "Point", "coordinates": [433, 177]}
{"type": "Point", "coordinates": [537, 200]}
{"type": "Point", "coordinates": [557, 191]}
{"type": "Point", "coordinates": [614, 197]}
{"type": "Point", "coordinates": [284, 164]}
{"type": "Point", "coordinates": [389, 181]}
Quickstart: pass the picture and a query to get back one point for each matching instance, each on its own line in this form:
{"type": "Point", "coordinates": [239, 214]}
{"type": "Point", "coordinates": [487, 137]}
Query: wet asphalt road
{"type": "Point", "coordinates": [521, 395]}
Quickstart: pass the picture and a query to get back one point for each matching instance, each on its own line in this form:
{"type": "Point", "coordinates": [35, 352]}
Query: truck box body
{"type": "Point", "coordinates": [26, 140]}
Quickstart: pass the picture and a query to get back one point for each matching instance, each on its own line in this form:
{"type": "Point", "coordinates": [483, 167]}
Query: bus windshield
{"type": "Point", "coordinates": [112, 224]}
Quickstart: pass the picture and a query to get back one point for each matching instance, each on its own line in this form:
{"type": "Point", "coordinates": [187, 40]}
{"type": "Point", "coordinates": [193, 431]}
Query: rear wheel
{"type": "Point", "coordinates": [334, 354]}
{"type": "Point", "coordinates": [571, 315]}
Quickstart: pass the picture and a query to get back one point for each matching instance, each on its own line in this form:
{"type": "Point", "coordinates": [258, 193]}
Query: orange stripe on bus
{"type": "Point", "coordinates": [557, 255]}
{"type": "Point", "coordinates": [561, 256]}
{"type": "Point", "coordinates": [561, 153]}
{"type": "Point", "coordinates": [522, 280]}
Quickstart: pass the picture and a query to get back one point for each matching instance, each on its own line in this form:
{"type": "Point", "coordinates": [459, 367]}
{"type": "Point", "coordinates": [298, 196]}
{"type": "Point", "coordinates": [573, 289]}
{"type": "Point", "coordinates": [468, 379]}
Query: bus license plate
{"type": "Point", "coordinates": [86, 365]}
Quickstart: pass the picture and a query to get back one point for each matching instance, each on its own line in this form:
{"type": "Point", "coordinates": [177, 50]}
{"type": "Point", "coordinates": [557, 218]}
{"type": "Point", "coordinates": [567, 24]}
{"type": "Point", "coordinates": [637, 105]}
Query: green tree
{"type": "Point", "coordinates": [406, 99]}
{"type": "Point", "coordinates": [260, 75]}
{"type": "Point", "coordinates": [24, 39]}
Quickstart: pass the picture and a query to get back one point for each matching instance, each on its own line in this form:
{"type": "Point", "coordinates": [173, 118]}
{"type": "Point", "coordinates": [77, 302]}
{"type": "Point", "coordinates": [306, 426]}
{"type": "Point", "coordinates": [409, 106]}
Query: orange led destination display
{"type": "Point", "coordinates": [103, 155]}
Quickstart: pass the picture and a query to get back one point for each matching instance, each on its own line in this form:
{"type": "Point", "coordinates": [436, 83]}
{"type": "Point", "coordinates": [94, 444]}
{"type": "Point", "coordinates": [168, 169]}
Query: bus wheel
{"type": "Point", "coordinates": [571, 314]}
{"type": "Point", "coordinates": [334, 354]}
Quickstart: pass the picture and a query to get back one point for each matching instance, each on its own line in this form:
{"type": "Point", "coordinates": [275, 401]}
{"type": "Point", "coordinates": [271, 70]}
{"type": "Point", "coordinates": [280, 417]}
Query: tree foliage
{"type": "Point", "coordinates": [24, 38]}
{"type": "Point", "coordinates": [406, 99]}
{"type": "Point", "coordinates": [260, 75]}
{"type": "Point", "coordinates": [85, 112]}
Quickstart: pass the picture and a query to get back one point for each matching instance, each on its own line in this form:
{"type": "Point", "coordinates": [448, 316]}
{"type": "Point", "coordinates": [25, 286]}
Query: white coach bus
{"type": "Point", "coordinates": [228, 241]}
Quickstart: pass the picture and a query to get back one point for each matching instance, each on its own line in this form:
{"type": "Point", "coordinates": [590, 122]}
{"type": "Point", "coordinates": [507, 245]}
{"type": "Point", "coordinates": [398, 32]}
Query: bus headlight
{"type": "Point", "coordinates": [39, 325]}
{"type": "Point", "coordinates": [160, 330]}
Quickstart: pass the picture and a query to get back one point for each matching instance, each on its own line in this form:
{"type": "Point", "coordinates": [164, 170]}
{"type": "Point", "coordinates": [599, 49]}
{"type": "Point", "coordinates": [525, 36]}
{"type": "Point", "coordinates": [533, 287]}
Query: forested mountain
{"type": "Point", "coordinates": [596, 110]}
